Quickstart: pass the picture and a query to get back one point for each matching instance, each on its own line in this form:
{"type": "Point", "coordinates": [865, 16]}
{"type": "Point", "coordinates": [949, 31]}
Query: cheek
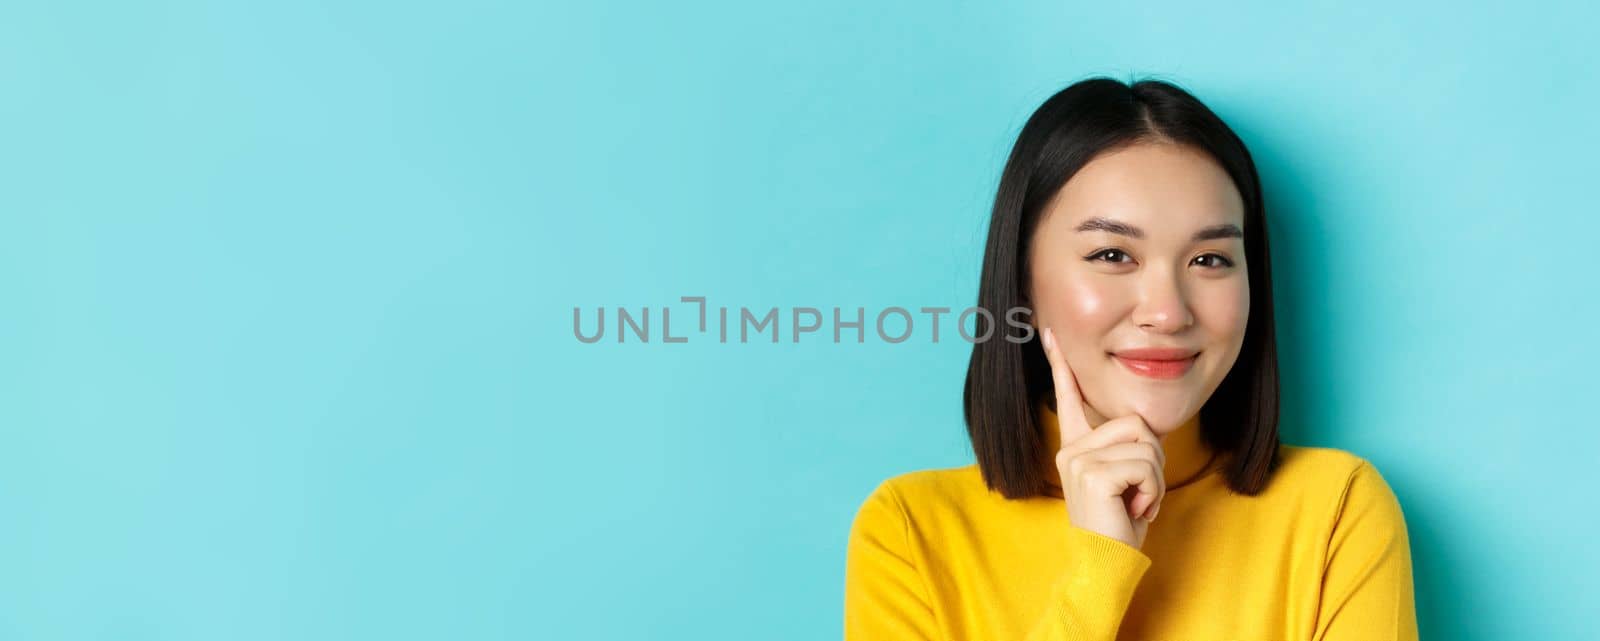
{"type": "Point", "coordinates": [1085, 301]}
{"type": "Point", "coordinates": [1084, 305]}
{"type": "Point", "coordinates": [1228, 312]}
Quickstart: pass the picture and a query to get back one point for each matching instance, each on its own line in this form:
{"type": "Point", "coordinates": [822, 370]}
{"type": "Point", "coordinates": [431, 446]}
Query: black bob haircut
{"type": "Point", "coordinates": [1007, 380]}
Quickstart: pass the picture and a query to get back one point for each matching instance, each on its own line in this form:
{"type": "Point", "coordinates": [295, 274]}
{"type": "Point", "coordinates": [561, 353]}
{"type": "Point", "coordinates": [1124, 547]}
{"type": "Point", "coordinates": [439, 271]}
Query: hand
{"type": "Point", "coordinates": [1111, 475]}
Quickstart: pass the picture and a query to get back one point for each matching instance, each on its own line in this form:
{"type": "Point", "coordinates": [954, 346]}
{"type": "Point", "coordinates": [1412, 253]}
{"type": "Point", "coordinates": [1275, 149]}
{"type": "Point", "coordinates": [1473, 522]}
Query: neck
{"type": "Point", "coordinates": [1187, 454]}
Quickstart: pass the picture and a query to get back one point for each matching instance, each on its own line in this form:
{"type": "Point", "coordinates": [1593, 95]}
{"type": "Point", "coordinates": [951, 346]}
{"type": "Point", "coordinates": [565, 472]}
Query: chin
{"type": "Point", "coordinates": [1164, 427]}
{"type": "Point", "coordinates": [1164, 420]}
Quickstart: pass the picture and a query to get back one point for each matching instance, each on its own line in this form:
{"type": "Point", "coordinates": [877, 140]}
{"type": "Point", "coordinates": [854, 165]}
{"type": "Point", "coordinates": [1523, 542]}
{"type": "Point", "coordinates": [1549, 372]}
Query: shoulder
{"type": "Point", "coordinates": [898, 497]}
{"type": "Point", "coordinates": [1340, 482]}
{"type": "Point", "coordinates": [919, 485]}
{"type": "Point", "coordinates": [1317, 465]}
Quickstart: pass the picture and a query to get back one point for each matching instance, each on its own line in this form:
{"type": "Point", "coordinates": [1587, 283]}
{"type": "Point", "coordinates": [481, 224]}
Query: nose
{"type": "Point", "coordinates": [1163, 306]}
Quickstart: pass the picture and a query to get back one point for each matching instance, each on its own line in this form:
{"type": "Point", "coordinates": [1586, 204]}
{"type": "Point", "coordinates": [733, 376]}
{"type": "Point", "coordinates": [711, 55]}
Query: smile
{"type": "Point", "coordinates": [1159, 369]}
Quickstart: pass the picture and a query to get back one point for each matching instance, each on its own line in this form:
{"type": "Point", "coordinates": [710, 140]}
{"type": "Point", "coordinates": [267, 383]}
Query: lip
{"type": "Point", "coordinates": [1159, 363]}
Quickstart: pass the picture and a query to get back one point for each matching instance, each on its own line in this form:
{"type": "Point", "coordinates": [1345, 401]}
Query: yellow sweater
{"type": "Point", "coordinates": [1322, 553]}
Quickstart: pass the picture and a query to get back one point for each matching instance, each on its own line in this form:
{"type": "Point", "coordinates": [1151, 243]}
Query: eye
{"type": "Point", "coordinates": [1224, 262]}
{"type": "Point", "coordinates": [1095, 257]}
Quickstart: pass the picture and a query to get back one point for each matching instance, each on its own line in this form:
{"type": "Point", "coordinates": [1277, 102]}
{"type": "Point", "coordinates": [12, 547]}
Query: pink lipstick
{"type": "Point", "coordinates": [1159, 363]}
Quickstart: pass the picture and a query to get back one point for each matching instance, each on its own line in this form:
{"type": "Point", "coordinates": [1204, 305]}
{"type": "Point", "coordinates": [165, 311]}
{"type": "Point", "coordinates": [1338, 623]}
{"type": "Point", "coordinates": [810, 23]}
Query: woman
{"type": "Point", "coordinates": [1129, 220]}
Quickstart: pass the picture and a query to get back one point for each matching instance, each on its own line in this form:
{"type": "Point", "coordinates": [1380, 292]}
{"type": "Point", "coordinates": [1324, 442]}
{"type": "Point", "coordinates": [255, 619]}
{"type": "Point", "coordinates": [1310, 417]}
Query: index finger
{"type": "Point", "coordinates": [1069, 399]}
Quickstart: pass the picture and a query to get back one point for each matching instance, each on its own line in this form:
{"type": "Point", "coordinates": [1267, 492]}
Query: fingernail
{"type": "Point", "coordinates": [1049, 339]}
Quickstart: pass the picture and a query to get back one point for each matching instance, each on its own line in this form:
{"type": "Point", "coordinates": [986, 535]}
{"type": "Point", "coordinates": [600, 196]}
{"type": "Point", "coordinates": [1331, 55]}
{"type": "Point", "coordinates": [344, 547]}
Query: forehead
{"type": "Point", "coordinates": [1165, 189]}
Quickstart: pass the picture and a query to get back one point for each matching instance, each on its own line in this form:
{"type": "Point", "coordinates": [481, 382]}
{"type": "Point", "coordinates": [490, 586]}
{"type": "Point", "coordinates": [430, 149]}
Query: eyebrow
{"type": "Point", "coordinates": [1225, 230]}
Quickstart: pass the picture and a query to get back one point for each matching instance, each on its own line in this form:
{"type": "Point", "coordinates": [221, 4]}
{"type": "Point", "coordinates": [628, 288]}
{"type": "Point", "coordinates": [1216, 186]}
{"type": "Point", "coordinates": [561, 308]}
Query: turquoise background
{"type": "Point", "coordinates": [286, 349]}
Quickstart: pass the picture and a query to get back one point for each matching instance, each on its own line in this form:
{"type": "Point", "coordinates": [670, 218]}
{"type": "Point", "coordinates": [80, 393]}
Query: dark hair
{"type": "Point", "coordinates": [1006, 380]}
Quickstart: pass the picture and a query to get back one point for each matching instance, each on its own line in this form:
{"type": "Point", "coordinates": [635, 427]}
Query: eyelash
{"type": "Point", "coordinates": [1092, 257]}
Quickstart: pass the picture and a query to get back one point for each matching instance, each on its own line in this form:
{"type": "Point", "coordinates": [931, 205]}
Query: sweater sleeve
{"type": "Point", "coordinates": [885, 595]}
{"type": "Point", "coordinates": [1091, 596]}
{"type": "Point", "coordinates": [1366, 580]}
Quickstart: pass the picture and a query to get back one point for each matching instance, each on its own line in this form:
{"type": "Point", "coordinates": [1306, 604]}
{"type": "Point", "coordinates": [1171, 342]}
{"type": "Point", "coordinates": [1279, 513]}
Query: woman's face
{"type": "Point", "coordinates": [1142, 249]}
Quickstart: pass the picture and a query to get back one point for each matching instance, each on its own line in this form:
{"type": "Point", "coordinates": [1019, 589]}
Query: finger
{"type": "Point", "coordinates": [1134, 433]}
{"type": "Point", "coordinates": [1069, 399]}
{"type": "Point", "coordinates": [1141, 475]}
{"type": "Point", "coordinates": [1141, 505]}
{"type": "Point", "coordinates": [1123, 429]}
{"type": "Point", "coordinates": [1145, 511]}
{"type": "Point", "coordinates": [1141, 450]}
{"type": "Point", "coordinates": [1146, 505]}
